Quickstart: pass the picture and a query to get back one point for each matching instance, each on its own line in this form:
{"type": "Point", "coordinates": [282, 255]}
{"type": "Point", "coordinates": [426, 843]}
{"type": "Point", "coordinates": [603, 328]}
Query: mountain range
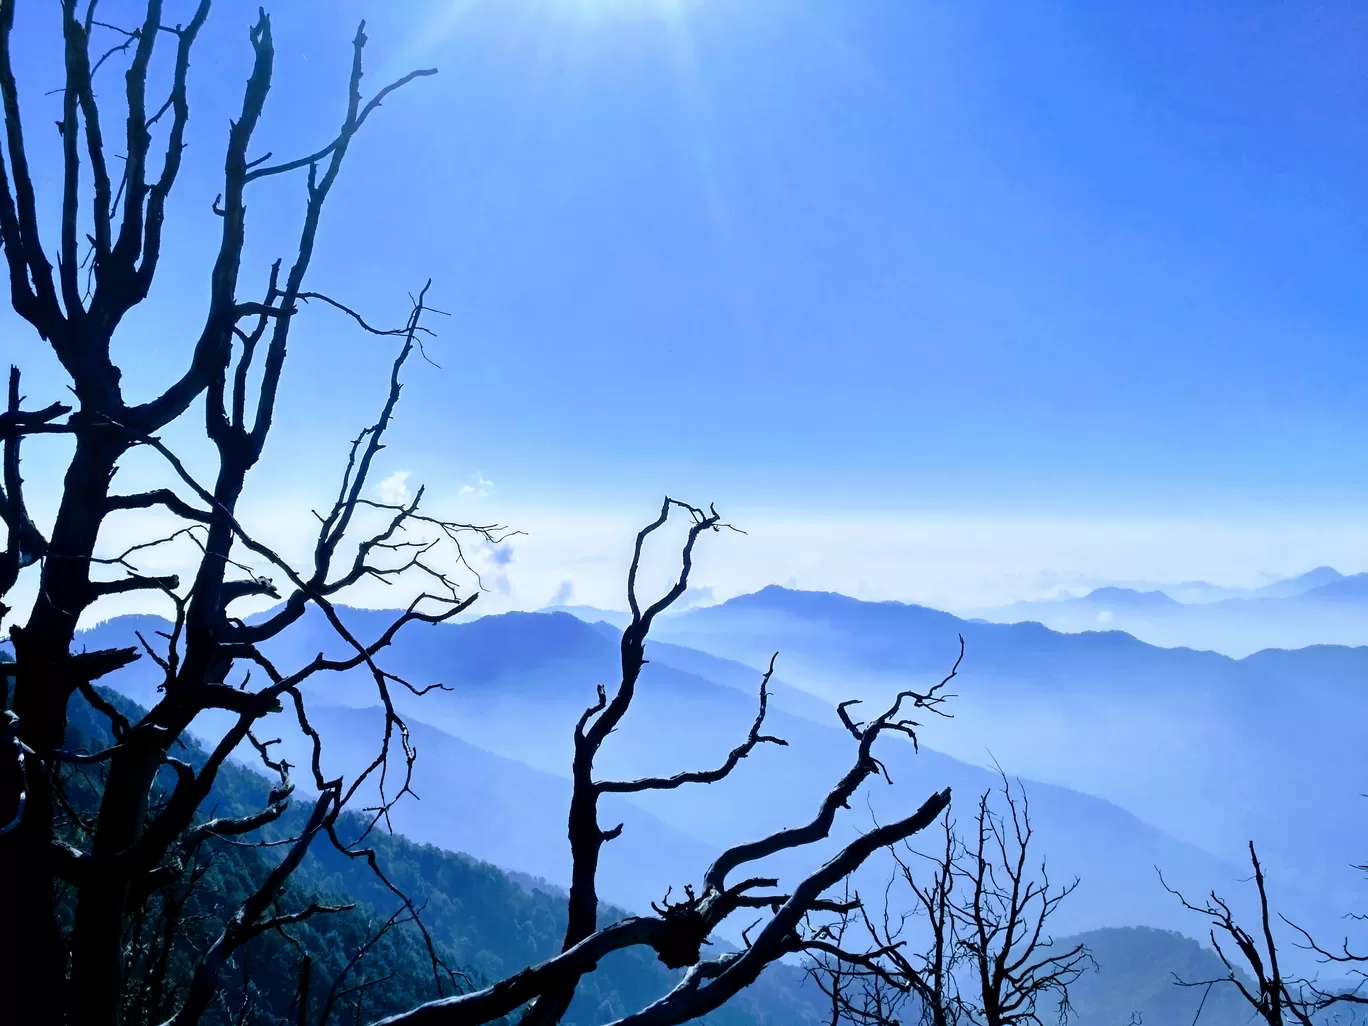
{"type": "Point", "coordinates": [1135, 757]}
{"type": "Point", "coordinates": [1322, 606]}
{"type": "Point", "coordinates": [1203, 591]}
{"type": "Point", "coordinates": [1213, 750]}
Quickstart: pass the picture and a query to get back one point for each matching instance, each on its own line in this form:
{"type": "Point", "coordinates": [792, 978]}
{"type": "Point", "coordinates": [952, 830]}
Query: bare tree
{"type": "Point", "coordinates": [1258, 972]}
{"type": "Point", "coordinates": [112, 228]}
{"type": "Point", "coordinates": [909, 970]}
{"type": "Point", "coordinates": [967, 944]}
{"type": "Point", "coordinates": [1016, 964]}
{"type": "Point", "coordinates": [932, 971]}
{"type": "Point", "coordinates": [857, 992]}
{"type": "Point", "coordinates": [145, 838]}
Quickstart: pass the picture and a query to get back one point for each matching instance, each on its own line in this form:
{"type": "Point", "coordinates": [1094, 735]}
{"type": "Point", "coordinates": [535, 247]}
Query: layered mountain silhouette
{"type": "Point", "coordinates": [1283, 587]}
{"type": "Point", "coordinates": [1210, 749]}
{"type": "Point", "coordinates": [1319, 607]}
{"type": "Point", "coordinates": [1072, 714]}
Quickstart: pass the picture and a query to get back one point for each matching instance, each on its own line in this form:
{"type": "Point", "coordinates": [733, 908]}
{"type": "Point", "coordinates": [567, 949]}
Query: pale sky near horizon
{"type": "Point", "coordinates": [951, 303]}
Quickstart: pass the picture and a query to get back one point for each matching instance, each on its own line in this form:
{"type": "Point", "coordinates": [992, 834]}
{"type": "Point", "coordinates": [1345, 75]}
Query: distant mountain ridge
{"type": "Point", "coordinates": [592, 614]}
{"type": "Point", "coordinates": [1301, 583]}
{"type": "Point", "coordinates": [1322, 606]}
{"type": "Point", "coordinates": [1211, 749]}
{"type": "Point", "coordinates": [1200, 592]}
{"type": "Point", "coordinates": [1353, 587]}
{"type": "Point", "coordinates": [1132, 598]}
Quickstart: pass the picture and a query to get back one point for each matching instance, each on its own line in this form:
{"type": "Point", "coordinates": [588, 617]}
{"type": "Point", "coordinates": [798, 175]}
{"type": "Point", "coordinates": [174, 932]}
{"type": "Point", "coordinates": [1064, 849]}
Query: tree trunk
{"type": "Point", "coordinates": [97, 962]}
{"type": "Point", "coordinates": [45, 677]}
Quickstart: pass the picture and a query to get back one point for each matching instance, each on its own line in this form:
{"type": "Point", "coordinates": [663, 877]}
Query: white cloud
{"type": "Point", "coordinates": [394, 489]}
{"type": "Point", "coordinates": [481, 487]}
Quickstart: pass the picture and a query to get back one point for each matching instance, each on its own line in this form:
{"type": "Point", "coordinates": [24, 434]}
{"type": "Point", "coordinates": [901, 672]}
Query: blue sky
{"type": "Point", "coordinates": [880, 259]}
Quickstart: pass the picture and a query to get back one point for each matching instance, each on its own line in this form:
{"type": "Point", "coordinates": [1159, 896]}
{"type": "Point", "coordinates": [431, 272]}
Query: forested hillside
{"type": "Point", "coordinates": [484, 925]}
{"type": "Point", "coordinates": [1138, 970]}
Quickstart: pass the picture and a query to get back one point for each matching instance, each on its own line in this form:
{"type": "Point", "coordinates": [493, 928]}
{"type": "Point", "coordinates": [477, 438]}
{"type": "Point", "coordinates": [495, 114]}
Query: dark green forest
{"type": "Point", "coordinates": [483, 923]}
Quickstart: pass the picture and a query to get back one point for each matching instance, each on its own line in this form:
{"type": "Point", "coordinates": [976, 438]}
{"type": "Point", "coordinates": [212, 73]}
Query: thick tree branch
{"type": "Point", "coordinates": [738, 753]}
{"type": "Point", "coordinates": [839, 797]}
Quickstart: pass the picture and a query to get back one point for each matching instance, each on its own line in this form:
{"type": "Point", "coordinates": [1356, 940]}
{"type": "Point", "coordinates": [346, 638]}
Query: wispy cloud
{"type": "Point", "coordinates": [479, 487]}
{"type": "Point", "coordinates": [394, 489]}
